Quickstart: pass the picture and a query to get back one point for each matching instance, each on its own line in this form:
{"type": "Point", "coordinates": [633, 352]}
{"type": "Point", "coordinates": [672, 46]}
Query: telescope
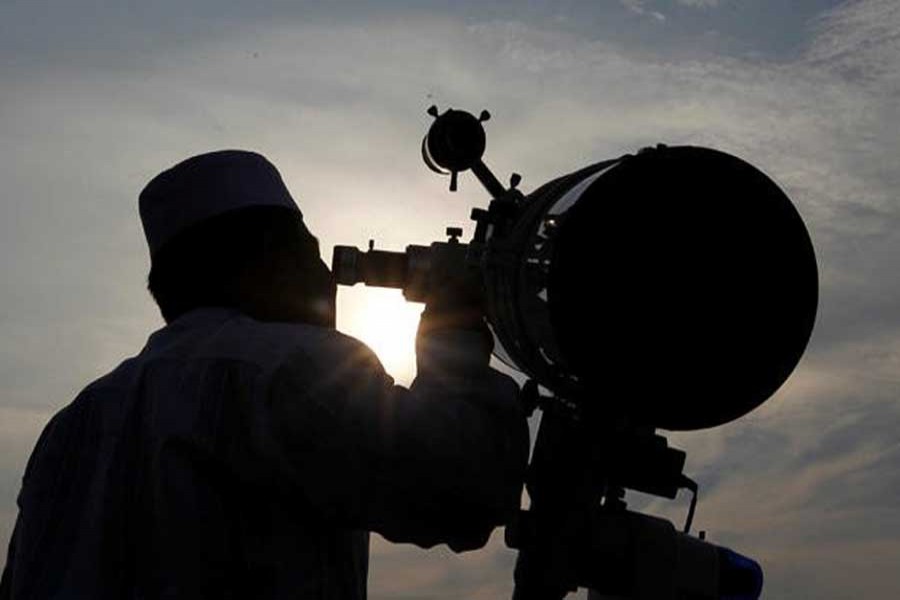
{"type": "Point", "coordinates": [674, 288]}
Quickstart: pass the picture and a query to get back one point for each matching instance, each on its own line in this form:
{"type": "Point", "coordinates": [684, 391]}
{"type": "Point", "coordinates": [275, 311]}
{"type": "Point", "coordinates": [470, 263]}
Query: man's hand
{"type": "Point", "coordinates": [457, 304]}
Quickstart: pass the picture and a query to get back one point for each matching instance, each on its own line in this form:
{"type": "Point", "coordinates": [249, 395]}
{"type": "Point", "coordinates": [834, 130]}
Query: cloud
{"type": "Point", "coordinates": [638, 8]}
{"type": "Point", "coordinates": [699, 3]}
{"type": "Point", "coordinates": [404, 571]}
{"type": "Point", "coordinates": [858, 41]}
{"type": "Point", "coordinates": [808, 482]}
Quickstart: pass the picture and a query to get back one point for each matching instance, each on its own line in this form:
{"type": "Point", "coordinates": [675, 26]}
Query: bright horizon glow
{"type": "Point", "coordinates": [384, 321]}
{"type": "Point", "coordinates": [95, 99]}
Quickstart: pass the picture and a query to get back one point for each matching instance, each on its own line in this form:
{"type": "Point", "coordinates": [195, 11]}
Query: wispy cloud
{"type": "Point", "coordinates": [807, 483]}
{"type": "Point", "coordinates": [859, 41]}
{"type": "Point", "coordinates": [638, 8]}
{"type": "Point", "coordinates": [699, 3]}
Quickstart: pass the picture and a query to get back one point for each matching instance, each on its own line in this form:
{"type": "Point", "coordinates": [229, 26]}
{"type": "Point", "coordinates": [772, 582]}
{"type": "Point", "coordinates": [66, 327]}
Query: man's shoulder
{"type": "Point", "coordinates": [273, 343]}
{"type": "Point", "coordinates": [116, 380]}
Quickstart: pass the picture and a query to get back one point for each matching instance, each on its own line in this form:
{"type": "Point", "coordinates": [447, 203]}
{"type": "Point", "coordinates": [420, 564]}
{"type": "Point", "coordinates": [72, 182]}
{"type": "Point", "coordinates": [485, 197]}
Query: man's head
{"type": "Point", "coordinates": [224, 231]}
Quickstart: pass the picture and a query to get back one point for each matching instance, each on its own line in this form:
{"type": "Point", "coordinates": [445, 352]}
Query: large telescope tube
{"type": "Point", "coordinates": [677, 287]}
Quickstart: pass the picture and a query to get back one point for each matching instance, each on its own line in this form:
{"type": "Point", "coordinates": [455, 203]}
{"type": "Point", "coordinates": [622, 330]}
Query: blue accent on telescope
{"type": "Point", "coordinates": [741, 578]}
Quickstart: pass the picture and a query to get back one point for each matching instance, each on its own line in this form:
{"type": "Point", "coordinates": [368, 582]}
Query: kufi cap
{"type": "Point", "coordinates": [205, 186]}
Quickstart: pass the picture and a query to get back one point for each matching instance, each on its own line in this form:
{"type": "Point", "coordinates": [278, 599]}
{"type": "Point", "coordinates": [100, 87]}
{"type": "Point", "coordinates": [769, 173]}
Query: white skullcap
{"type": "Point", "coordinates": [206, 186]}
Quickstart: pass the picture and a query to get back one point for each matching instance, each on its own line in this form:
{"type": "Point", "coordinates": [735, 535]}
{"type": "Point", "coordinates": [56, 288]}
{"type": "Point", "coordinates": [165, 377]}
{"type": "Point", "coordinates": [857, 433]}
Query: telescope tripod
{"type": "Point", "coordinates": [578, 532]}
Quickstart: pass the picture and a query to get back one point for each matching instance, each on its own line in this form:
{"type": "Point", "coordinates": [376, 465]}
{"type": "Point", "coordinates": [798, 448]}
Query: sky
{"type": "Point", "coordinates": [97, 97]}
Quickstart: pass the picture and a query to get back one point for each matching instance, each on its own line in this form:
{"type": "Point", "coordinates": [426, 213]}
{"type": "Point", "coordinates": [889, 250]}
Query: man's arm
{"type": "Point", "coordinates": [440, 462]}
{"type": "Point", "coordinates": [9, 569]}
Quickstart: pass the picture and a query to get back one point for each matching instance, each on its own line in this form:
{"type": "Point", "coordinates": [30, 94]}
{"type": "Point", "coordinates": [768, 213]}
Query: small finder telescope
{"type": "Point", "coordinates": [673, 288]}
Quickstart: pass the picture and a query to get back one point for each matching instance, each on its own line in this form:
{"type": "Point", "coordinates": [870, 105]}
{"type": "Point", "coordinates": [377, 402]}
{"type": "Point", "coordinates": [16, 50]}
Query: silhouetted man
{"type": "Point", "coordinates": [249, 448]}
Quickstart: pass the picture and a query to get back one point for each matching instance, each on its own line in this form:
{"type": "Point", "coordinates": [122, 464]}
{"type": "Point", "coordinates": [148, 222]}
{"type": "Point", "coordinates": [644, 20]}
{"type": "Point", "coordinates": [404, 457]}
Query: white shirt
{"type": "Point", "coordinates": [234, 458]}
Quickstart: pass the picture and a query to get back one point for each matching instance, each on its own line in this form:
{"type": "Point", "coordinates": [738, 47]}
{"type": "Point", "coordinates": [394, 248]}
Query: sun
{"type": "Point", "coordinates": [384, 321]}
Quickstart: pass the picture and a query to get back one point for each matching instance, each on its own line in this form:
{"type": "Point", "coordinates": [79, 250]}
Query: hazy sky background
{"type": "Point", "coordinates": [97, 97]}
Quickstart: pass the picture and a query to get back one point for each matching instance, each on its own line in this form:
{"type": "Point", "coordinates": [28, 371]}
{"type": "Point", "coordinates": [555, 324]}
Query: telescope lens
{"type": "Point", "coordinates": [683, 288]}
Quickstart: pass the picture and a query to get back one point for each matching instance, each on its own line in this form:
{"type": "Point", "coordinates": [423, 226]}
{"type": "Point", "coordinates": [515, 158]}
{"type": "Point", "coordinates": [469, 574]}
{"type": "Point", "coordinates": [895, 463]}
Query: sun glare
{"type": "Point", "coordinates": [385, 322]}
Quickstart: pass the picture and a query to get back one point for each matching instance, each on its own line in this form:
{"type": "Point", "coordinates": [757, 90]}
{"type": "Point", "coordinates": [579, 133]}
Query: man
{"type": "Point", "coordinates": [249, 448]}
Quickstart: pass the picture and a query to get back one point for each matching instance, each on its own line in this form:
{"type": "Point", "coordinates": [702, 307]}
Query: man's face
{"type": "Point", "coordinates": [295, 285]}
{"type": "Point", "coordinates": [320, 288]}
